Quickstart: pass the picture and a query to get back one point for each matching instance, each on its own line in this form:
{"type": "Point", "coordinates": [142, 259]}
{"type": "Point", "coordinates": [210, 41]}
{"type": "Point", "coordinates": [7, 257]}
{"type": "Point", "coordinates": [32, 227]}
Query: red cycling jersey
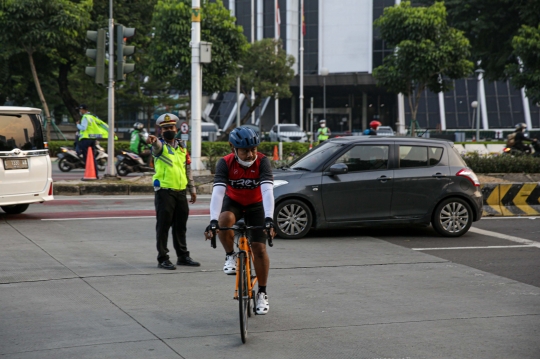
{"type": "Point", "coordinates": [243, 184]}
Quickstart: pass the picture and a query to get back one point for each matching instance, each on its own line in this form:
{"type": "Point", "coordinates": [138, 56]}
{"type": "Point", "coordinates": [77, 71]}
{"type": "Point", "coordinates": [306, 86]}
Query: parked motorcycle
{"type": "Point", "coordinates": [68, 159]}
{"type": "Point", "coordinates": [128, 162]}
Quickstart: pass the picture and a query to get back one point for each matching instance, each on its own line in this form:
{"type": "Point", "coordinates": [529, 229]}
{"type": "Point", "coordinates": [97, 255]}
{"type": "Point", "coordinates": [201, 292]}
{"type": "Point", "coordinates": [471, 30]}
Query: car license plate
{"type": "Point", "coordinates": [17, 164]}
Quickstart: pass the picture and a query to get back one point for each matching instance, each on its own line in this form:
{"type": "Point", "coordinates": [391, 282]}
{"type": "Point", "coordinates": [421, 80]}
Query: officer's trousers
{"type": "Point", "coordinates": [172, 210]}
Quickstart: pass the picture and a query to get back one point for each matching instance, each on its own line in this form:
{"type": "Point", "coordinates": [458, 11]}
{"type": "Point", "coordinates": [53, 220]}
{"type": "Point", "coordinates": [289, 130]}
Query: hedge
{"type": "Point", "coordinates": [208, 149]}
{"type": "Point", "coordinates": [503, 164]}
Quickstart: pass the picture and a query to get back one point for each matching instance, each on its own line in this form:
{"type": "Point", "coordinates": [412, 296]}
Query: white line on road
{"type": "Point", "coordinates": [487, 247]}
{"type": "Point", "coordinates": [510, 218]}
{"type": "Point", "coordinates": [505, 236]}
{"type": "Point", "coordinates": [79, 219]}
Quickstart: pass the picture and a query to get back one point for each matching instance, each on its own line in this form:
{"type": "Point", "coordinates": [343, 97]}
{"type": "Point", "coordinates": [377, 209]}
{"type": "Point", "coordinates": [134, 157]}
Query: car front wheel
{"type": "Point", "coordinates": [292, 219]}
{"type": "Point", "coordinates": [452, 217]}
{"type": "Point", "coordinates": [16, 208]}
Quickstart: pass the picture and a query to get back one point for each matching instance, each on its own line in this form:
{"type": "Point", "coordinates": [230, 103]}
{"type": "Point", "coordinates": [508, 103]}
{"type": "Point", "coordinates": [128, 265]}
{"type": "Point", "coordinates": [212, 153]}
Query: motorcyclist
{"type": "Point", "coordinates": [372, 130]}
{"type": "Point", "coordinates": [138, 143]}
{"type": "Point", "coordinates": [520, 138]}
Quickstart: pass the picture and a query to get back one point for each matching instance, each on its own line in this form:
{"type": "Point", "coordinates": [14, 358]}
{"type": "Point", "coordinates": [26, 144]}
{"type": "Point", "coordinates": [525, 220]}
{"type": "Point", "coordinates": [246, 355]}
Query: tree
{"type": "Point", "coordinates": [526, 46]}
{"type": "Point", "coordinates": [171, 51]}
{"type": "Point", "coordinates": [428, 53]}
{"type": "Point", "coordinates": [490, 26]}
{"type": "Point", "coordinates": [267, 71]}
{"type": "Point", "coordinates": [41, 27]}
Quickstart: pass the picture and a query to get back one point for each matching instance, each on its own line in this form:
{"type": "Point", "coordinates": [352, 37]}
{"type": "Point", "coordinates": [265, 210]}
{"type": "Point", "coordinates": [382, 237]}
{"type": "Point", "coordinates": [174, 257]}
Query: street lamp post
{"type": "Point", "coordinates": [480, 74]}
{"type": "Point", "coordinates": [238, 97]}
{"type": "Point", "coordinates": [324, 73]}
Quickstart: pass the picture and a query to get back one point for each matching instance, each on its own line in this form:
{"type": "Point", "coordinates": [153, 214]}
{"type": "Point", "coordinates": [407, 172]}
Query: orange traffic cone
{"type": "Point", "coordinates": [310, 145]}
{"type": "Point", "coordinates": [90, 170]}
{"type": "Point", "coordinates": [276, 154]}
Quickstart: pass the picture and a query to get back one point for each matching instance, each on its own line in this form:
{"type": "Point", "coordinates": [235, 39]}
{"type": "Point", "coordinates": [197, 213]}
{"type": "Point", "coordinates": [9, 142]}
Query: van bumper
{"type": "Point", "coordinates": [7, 200]}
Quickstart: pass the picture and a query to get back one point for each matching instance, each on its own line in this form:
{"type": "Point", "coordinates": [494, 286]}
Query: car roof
{"type": "Point", "coordinates": [367, 139]}
{"type": "Point", "coordinates": [14, 110]}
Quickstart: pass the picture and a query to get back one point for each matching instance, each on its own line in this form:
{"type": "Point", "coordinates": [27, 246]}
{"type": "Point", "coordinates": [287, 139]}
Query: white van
{"type": "Point", "coordinates": [25, 165]}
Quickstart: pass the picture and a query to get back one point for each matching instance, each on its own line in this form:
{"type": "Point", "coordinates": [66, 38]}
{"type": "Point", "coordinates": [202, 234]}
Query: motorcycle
{"type": "Point", "coordinates": [512, 151]}
{"type": "Point", "coordinates": [128, 162]}
{"type": "Point", "coordinates": [68, 159]}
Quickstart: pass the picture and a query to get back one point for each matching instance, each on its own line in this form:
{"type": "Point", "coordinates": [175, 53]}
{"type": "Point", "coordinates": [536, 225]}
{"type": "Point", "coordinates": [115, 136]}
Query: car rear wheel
{"type": "Point", "coordinates": [452, 218]}
{"type": "Point", "coordinates": [292, 219]}
{"type": "Point", "coordinates": [16, 208]}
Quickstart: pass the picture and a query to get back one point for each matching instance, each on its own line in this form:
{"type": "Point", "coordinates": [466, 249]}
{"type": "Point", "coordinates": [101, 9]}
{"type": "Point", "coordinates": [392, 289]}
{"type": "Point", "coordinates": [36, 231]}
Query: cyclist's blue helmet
{"type": "Point", "coordinates": [244, 137]}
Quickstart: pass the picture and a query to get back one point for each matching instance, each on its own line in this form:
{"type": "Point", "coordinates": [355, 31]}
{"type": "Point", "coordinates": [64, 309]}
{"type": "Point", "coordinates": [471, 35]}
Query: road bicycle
{"type": "Point", "coordinates": [246, 278]}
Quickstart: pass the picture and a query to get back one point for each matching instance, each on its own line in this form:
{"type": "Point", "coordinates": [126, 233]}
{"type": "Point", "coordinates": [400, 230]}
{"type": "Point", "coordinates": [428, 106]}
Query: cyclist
{"type": "Point", "coordinates": [243, 188]}
{"type": "Point", "coordinates": [138, 144]}
{"type": "Point", "coordinates": [372, 131]}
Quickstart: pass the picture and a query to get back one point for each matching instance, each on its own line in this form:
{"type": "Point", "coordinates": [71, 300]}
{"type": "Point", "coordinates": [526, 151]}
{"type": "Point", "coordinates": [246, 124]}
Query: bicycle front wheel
{"type": "Point", "coordinates": [243, 295]}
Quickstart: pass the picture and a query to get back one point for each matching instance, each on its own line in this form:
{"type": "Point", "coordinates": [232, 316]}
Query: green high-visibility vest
{"type": "Point", "coordinates": [170, 167]}
{"type": "Point", "coordinates": [323, 134]}
{"type": "Point", "coordinates": [95, 129]}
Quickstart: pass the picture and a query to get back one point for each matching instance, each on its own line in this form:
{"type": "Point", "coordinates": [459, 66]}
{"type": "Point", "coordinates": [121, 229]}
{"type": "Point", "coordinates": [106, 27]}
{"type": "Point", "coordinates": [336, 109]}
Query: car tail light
{"type": "Point", "coordinates": [470, 175]}
{"type": "Point", "coordinates": [50, 190]}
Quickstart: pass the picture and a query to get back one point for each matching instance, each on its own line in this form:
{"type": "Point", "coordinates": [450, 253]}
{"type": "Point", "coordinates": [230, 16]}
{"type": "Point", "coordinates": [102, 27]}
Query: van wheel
{"type": "Point", "coordinates": [452, 218]}
{"type": "Point", "coordinates": [292, 219]}
{"type": "Point", "coordinates": [16, 208]}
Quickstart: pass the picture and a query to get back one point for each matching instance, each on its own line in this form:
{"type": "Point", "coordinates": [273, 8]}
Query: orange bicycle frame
{"type": "Point", "coordinates": [243, 245]}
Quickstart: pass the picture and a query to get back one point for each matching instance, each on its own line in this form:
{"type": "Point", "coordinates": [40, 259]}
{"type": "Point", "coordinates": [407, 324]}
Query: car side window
{"type": "Point", "coordinates": [413, 156]}
{"type": "Point", "coordinates": [365, 158]}
{"type": "Point", "coordinates": [435, 155]}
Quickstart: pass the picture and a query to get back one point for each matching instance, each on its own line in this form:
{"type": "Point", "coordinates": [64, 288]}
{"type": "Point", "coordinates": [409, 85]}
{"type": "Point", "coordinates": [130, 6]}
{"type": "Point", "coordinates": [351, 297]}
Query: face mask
{"type": "Point", "coordinates": [323, 125]}
{"type": "Point", "coordinates": [243, 163]}
{"type": "Point", "coordinates": [169, 135]}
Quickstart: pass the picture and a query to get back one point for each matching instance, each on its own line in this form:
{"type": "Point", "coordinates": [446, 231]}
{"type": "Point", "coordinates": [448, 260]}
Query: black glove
{"type": "Point", "coordinates": [212, 226]}
{"type": "Point", "coordinates": [268, 223]}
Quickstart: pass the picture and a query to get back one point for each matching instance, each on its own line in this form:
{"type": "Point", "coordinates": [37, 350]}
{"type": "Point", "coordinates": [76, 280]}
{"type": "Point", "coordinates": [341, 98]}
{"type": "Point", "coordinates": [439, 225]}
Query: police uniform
{"type": "Point", "coordinates": [90, 130]}
{"type": "Point", "coordinates": [171, 182]}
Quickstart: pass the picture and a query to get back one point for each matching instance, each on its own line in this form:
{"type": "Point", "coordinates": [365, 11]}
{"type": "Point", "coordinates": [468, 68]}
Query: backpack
{"type": "Point", "coordinates": [511, 140]}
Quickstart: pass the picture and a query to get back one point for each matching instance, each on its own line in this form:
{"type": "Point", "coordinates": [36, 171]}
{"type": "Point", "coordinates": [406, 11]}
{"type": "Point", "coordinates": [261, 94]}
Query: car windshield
{"type": "Point", "coordinates": [314, 158]}
{"type": "Point", "coordinates": [22, 131]}
{"type": "Point", "coordinates": [291, 128]}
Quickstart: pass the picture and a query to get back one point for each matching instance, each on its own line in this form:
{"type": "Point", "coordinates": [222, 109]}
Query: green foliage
{"type": "Point", "coordinates": [429, 53]}
{"type": "Point", "coordinates": [171, 51]}
{"type": "Point", "coordinates": [526, 46]}
{"type": "Point", "coordinates": [503, 164]}
{"type": "Point", "coordinates": [490, 26]}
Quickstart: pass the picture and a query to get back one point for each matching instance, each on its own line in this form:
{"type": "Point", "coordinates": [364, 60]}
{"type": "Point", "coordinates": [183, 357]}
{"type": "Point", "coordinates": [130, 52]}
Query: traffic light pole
{"type": "Point", "coordinates": [111, 170]}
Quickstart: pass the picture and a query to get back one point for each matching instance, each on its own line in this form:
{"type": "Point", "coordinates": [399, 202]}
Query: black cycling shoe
{"type": "Point", "coordinates": [166, 265]}
{"type": "Point", "coordinates": [187, 261]}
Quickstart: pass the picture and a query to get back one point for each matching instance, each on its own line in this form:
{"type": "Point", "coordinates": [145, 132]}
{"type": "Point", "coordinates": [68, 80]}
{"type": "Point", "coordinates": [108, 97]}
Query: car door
{"type": "Point", "coordinates": [419, 180]}
{"type": "Point", "coordinates": [365, 192]}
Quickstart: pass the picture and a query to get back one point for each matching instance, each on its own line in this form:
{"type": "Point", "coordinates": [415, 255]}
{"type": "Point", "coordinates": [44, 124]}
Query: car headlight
{"type": "Point", "coordinates": [278, 183]}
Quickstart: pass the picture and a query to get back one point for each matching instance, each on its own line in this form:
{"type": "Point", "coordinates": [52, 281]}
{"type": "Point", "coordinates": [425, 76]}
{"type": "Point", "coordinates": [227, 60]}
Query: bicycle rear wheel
{"type": "Point", "coordinates": [243, 295]}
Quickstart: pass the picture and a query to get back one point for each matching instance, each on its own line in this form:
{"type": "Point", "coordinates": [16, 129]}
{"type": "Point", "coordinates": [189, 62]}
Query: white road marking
{"type": "Point", "coordinates": [505, 236]}
{"type": "Point", "coordinates": [487, 247]}
{"type": "Point", "coordinates": [510, 218]}
{"type": "Point", "coordinates": [78, 219]}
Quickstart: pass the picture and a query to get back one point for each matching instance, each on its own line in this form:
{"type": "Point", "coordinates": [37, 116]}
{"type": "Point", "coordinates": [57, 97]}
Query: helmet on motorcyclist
{"type": "Point", "coordinates": [521, 126]}
{"type": "Point", "coordinates": [374, 124]}
{"type": "Point", "coordinates": [138, 126]}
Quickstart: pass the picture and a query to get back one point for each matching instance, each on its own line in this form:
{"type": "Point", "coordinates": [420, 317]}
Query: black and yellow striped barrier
{"type": "Point", "coordinates": [511, 199]}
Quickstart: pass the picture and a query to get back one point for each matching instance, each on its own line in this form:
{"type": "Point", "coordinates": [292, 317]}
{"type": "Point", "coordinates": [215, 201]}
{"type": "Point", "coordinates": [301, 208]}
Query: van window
{"type": "Point", "coordinates": [20, 131]}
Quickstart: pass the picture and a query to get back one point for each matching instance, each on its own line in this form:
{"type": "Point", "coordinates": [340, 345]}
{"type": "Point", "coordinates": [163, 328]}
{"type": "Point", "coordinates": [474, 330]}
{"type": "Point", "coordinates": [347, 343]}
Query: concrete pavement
{"type": "Point", "coordinates": [89, 288]}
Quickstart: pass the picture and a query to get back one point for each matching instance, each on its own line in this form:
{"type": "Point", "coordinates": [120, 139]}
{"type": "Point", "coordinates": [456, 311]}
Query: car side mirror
{"type": "Point", "coordinates": [338, 169]}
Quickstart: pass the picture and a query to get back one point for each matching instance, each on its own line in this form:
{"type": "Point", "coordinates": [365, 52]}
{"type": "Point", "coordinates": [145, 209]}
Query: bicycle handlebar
{"type": "Point", "coordinates": [267, 230]}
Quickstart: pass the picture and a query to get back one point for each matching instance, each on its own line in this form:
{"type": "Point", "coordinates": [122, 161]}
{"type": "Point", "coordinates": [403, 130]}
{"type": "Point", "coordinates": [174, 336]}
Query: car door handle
{"type": "Point", "coordinates": [438, 175]}
{"type": "Point", "coordinates": [384, 178]}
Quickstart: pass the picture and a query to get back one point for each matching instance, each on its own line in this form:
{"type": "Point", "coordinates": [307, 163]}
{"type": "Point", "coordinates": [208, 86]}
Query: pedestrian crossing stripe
{"type": "Point", "coordinates": [511, 199]}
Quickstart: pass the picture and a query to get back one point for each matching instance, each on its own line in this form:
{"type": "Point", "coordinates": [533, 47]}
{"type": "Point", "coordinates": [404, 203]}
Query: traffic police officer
{"type": "Point", "coordinates": [323, 133]}
{"type": "Point", "coordinates": [91, 129]}
{"type": "Point", "coordinates": [172, 178]}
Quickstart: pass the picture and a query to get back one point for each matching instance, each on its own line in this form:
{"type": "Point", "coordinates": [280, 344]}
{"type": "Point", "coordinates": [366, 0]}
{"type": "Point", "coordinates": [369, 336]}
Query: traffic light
{"type": "Point", "coordinates": [122, 34]}
{"type": "Point", "coordinates": [98, 54]}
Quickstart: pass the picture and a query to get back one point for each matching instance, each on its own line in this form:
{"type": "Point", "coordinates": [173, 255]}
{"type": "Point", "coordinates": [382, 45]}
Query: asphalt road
{"type": "Point", "coordinates": [78, 279]}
